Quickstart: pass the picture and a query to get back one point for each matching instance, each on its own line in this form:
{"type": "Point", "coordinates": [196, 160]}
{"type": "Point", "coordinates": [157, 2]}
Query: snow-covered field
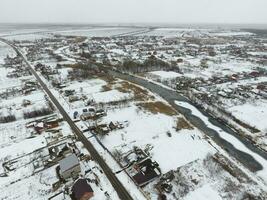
{"type": "Point", "coordinates": [28, 37]}
{"type": "Point", "coordinates": [4, 51]}
{"type": "Point", "coordinates": [97, 32]}
{"type": "Point", "coordinates": [254, 114]}
{"type": "Point", "coordinates": [204, 193]}
{"type": "Point", "coordinates": [174, 32]}
{"type": "Point", "coordinates": [166, 75]}
{"type": "Point", "coordinates": [229, 138]}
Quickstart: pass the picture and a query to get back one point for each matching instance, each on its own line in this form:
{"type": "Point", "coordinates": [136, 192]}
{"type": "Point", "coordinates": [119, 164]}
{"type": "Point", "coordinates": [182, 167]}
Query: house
{"type": "Point", "coordinates": [39, 127]}
{"type": "Point", "coordinates": [100, 113]}
{"type": "Point", "coordinates": [102, 129]}
{"type": "Point", "coordinates": [234, 77]}
{"type": "Point", "coordinates": [73, 98]}
{"type": "Point", "coordinates": [70, 167]}
{"type": "Point", "coordinates": [81, 190]}
{"type": "Point", "coordinates": [26, 103]}
{"type": "Point", "coordinates": [147, 172]}
{"type": "Point", "coordinates": [68, 93]}
{"type": "Point", "coordinates": [86, 116]}
{"type": "Point", "coordinates": [46, 124]}
{"type": "Point", "coordinates": [261, 87]}
{"type": "Point", "coordinates": [254, 74]}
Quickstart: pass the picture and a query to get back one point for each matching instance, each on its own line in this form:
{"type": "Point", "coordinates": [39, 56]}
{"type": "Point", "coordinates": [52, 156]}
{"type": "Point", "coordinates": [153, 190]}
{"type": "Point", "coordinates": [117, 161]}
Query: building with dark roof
{"type": "Point", "coordinates": [81, 190]}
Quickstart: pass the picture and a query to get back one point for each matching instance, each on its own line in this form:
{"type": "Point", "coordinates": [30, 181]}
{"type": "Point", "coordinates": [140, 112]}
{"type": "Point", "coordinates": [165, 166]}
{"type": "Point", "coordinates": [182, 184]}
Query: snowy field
{"type": "Point", "coordinates": [215, 69]}
{"type": "Point", "coordinates": [97, 32]}
{"type": "Point", "coordinates": [229, 138]}
{"type": "Point", "coordinates": [174, 32]}
{"type": "Point", "coordinates": [253, 113]}
{"type": "Point", "coordinates": [194, 32]}
{"type": "Point", "coordinates": [183, 147]}
{"type": "Point", "coordinates": [28, 36]}
{"type": "Point", "coordinates": [166, 75]}
{"type": "Point", "coordinates": [4, 51]}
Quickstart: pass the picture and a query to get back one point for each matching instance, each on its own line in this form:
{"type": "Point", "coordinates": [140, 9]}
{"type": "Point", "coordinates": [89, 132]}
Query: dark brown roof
{"type": "Point", "coordinates": [81, 187]}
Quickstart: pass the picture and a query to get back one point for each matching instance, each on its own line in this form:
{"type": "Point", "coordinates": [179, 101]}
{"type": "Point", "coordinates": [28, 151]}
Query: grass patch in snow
{"type": "Point", "coordinates": [110, 82]}
{"type": "Point", "coordinates": [106, 88]}
{"type": "Point", "coordinates": [183, 124]}
{"type": "Point", "coordinates": [139, 93]}
{"type": "Point", "coordinates": [158, 107]}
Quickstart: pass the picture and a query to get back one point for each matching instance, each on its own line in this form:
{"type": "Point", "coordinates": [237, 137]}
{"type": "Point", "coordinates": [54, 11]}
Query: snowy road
{"type": "Point", "coordinates": [120, 189]}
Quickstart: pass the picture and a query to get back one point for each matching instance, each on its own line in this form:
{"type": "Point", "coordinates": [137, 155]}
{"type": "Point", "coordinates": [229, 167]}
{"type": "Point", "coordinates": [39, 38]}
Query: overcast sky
{"type": "Point", "coordinates": [134, 11]}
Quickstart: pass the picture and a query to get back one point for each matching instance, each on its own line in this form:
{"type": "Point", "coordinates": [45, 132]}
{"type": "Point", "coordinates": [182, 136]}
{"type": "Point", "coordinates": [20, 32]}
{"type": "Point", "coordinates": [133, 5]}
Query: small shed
{"type": "Point", "coordinates": [70, 167]}
{"type": "Point", "coordinates": [81, 190]}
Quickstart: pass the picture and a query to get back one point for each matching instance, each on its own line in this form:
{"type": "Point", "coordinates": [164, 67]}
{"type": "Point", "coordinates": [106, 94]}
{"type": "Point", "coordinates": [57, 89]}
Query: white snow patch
{"type": "Point", "coordinates": [231, 139]}
{"type": "Point", "coordinates": [203, 193]}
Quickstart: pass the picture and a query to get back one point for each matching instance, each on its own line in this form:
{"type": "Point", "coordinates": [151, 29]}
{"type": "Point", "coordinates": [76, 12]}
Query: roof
{"type": "Point", "coordinates": [81, 187]}
{"type": "Point", "coordinates": [68, 162]}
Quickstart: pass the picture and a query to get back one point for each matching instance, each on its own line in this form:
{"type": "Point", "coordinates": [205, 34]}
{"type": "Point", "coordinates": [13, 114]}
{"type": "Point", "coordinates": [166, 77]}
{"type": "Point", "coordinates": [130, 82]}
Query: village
{"type": "Point", "coordinates": [154, 150]}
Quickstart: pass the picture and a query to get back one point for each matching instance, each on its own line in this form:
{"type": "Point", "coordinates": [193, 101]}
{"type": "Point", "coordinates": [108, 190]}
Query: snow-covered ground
{"type": "Point", "coordinates": [175, 32]}
{"type": "Point", "coordinates": [4, 51]}
{"type": "Point", "coordinates": [28, 37]}
{"type": "Point", "coordinates": [143, 124]}
{"type": "Point", "coordinates": [97, 31]}
{"type": "Point", "coordinates": [253, 113]}
{"type": "Point", "coordinates": [229, 138]}
{"type": "Point", "coordinates": [203, 193]}
{"type": "Point", "coordinates": [144, 128]}
{"type": "Point", "coordinates": [166, 75]}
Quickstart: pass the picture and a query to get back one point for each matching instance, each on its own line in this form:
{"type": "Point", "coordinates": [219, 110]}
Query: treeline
{"type": "Point", "coordinates": [7, 119]}
{"type": "Point", "coordinates": [37, 113]}
{"type": "Point", "coordinates": [150, 64]}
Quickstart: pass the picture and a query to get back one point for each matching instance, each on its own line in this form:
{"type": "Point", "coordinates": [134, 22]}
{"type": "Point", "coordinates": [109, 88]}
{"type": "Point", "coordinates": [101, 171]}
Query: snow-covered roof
{"type": "Point", "coordinates": [68, 162]}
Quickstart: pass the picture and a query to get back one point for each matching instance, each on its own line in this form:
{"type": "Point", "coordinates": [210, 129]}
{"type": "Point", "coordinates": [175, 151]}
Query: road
{"type": "Point", "coordinates": [117, 185]}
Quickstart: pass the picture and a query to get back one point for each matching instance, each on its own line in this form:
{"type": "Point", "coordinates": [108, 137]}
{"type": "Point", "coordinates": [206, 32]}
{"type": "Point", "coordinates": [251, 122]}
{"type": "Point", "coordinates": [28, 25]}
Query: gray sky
{"type": "Point", "coordinates": [134, 11]}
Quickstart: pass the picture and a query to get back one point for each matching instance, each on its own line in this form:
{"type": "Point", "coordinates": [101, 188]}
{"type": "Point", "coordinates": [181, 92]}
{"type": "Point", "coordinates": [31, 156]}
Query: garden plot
{"type": "Point", "coordinates": [159, 131]}
{"type": "Point", "coordinates": [203, 193]}
{"type": "Point", "coordinates": [163, 75]}
{"type": "Point", "coordinates": [13, 133]}
{"type": "Point", "coordinates": [36, 101]}
{"type": "Point", "coordinates": [209, 178]}
{"type": "Point", "coordinates": [4, 51]}
{"type": "Point", "coordinates": [226, 68]}
{"type": "Point", "coordinates": [20, 149]}
{"type": "Point", "coordinates": [6, 82]}
{"type": "Point", "coordinates": [23, 147]}
{"type": "Point", "coordinates": [93, 90]}
{"type": "Point", "coordinates": [38, 186]}
{"type": "Point", "coordinates": [87, 86]}
{"type": "Point", "coordinates": [253, 113]}
{"type": "Point", "coordinates": [110, 96]}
